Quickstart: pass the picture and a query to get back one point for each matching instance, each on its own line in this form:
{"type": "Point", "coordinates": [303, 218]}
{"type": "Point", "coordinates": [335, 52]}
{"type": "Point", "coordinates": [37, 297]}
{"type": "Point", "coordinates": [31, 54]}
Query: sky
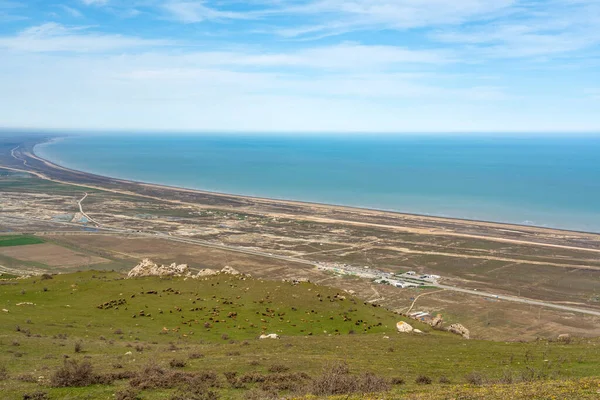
{"type": "Point", "coordinates": [301, 65]}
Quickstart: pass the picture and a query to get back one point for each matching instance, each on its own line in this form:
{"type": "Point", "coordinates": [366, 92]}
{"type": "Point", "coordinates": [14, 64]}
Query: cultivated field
{"type": "Point", "coordinates": [51, 255]}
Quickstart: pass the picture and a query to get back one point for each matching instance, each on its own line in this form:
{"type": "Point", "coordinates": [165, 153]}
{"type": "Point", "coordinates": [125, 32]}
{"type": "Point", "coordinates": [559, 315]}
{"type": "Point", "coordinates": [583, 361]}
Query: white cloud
{"type": "Point", "coordinates": [338, 16]}
{"type": "Point", "coordinates": [442, 75]}
{"type": "Point", "coordinates": [7, 9]}
{"type": "Point", "coordinates": [53, 37]}
{"type": "Point", "coordinates": [198, 11]}
{"type": "Point", "coordinates": [342, 57]}
{"type": "Point", "coordinates": [95, 2]}
{"type": "Point", "coordinates": [535, 29]}
{"type": "Point", "coordinates": [71, 11]}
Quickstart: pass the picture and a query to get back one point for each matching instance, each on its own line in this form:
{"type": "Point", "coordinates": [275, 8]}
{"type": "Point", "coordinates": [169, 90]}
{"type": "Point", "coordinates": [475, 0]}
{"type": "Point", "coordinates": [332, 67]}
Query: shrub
{"type": "Point", "coordinates": [154, 377]}
{"type": "Point", "coordinates": [444, 379]}
{"type": "Point", "coordinates": [195, 356]}
{"type": "Point", "coordinates": [78, 347]}
{"type": "Point", "coordinates": [3, 373]}
{"type": "Point", "coordinates": [177, 363]}
{"type": "Point", "coordinates": [336, 379]}
{"type": "Point", "coordinates": [46, 277]}
{"type": "Point", "coordinates": [127, 394]}
{"type": "Point", "coordinates": [225, 336]}
{"type": "Point", "coordinates": [278, 368]}
{"type": "Point", "coordinates": [73, 373]}
{"type": "Point", "coordinates": [231, 377]}
{"type": "Point", "coordinates": [397, 381]}
{"type": "Point", "coordinates": [39, 395]}
{"type": "Point", "coordinates": [29, 378]}
{"type": "Point", "coordinates": [118, 332]}
{"type": "Point", "coordinates": [423, 380]}
{"type": "Point", "coordinates": [190, 392]}
{"type": "Point", "coordinates": [475, 378]}
{"type": "Point", "coordinates": [274, 383]}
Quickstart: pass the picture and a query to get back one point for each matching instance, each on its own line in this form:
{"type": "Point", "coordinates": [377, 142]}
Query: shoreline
{"type": "Point", "coordinates": [323, 206]}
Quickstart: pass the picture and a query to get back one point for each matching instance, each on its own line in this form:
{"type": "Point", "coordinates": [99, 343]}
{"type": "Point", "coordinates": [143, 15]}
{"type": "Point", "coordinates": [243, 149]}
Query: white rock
{"type": "Point", "coordinates": [458, 329]}
{"type": "Point", "coordinates": [403, 327]}
{"type": "Point", "coordinates": [417, 331]}
{"type": "Point", "coordinates": [206, 272]}
{"type": "Point", "coordinates": [228, 270]}
{"type": "Point", "coordinates": [128, 353]}
{"type": "Point", "coordinates": [5, 310]}
{"type": "Point", "coordinates": [148, 268]}
{"type": "Point", "coordinates": [269, 336]}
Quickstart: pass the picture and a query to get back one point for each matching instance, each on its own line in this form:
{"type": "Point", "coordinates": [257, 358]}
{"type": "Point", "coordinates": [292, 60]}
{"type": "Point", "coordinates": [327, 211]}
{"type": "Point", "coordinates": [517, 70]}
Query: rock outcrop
{"type": "Point", "coordinates": [228, 270]}
{"type": "Point", "coordinates": [403, 327]}
{"type": "Point", "coordinates": [149, 268]}
{"type": "Point", "coordinates": [458, 329]}
{"type": "Point", "coordinates": [206, 272]}
{"type": "Point", "coordinates": [437, 322]}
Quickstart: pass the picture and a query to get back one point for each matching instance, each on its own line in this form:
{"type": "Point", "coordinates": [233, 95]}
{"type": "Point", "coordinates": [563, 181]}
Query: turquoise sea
{"type": "Point", "coordinates": [551, 181]}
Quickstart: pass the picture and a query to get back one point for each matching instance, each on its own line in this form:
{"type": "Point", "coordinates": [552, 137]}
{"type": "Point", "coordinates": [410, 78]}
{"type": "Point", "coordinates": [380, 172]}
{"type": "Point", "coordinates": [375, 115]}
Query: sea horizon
{"type": "Point", "coordinates": [546, 181]}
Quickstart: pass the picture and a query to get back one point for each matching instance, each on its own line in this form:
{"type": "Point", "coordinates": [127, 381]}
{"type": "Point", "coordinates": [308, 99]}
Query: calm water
{"type": "Point", "coordinates": [544, 181]}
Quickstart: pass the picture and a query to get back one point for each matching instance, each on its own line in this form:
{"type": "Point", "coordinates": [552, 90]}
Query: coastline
{"type": "Point", "coordinates": [313, 205]}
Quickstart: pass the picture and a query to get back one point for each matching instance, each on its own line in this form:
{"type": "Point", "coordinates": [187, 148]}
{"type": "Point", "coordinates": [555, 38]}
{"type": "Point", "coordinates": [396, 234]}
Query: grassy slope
{"type": "Point", "coordinates": [68, 306]}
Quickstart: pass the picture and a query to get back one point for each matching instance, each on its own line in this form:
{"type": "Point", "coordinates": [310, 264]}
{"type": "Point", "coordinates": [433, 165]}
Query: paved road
{"type": "Point", "coordinates": [523, 300]}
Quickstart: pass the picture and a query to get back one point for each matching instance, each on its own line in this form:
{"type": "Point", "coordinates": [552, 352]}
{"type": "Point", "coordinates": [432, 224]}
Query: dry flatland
{"type": "Point", "coordinates": [283, 239]}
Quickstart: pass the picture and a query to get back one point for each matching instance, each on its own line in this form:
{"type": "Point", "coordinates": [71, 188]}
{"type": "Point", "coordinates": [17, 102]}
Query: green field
{"type": "Point", "coordinates": [210, 328]}
{"type": "Point", "coordinates": [19, 240]}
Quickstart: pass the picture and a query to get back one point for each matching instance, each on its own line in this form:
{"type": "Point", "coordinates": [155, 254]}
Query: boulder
{"type": "Point", "coordinates": [269, 336]}
{"type": "Point", "coordinates": [565, 337]}
{"type": "Point", "coordinates": [458, 329]}
{"type": "Point", "coordinates": [437, 322]}
{"type": "Point", "coordinates": [149, 268]}
{"type": "Point", "coordinates": [206, 272]}
{"type": "Point", "coordinates": [403, 327]}
{"type": "Point", "coordinates": [228, 270]}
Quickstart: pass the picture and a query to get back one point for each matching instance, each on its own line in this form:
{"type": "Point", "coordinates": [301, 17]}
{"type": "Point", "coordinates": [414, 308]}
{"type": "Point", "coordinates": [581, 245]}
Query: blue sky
{"type": "Point", "coordinates": [301, 65]}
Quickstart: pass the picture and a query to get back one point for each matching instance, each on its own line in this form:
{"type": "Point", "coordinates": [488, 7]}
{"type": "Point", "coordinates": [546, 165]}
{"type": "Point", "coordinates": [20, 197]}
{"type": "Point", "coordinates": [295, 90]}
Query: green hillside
{"type": "Point", "coordinates": [154, 337]}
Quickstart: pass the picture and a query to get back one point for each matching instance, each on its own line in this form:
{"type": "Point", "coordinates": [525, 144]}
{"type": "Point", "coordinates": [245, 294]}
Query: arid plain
{"type": "Point", "coordinates": [503, 282]}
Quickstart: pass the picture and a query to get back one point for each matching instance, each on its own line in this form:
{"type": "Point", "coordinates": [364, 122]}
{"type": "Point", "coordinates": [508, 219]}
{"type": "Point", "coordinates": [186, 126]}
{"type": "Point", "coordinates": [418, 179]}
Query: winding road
{"type": "Point", "coordinates": [83, 212]}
